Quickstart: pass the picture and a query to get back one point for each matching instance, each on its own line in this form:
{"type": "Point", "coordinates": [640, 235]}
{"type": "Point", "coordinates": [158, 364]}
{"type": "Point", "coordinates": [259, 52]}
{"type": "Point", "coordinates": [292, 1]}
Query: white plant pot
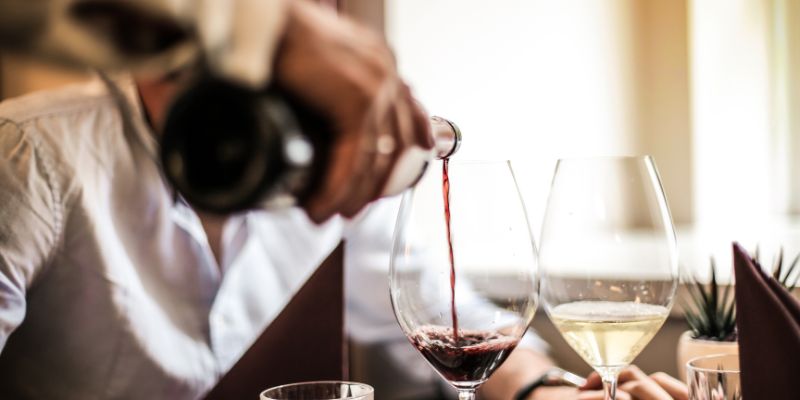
{"type": "Point", "coordinates": [689, 348]}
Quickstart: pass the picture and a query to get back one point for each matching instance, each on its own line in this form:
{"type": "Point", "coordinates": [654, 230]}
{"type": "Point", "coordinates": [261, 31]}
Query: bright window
{"type": "Point", "coordinates": [704, 86]}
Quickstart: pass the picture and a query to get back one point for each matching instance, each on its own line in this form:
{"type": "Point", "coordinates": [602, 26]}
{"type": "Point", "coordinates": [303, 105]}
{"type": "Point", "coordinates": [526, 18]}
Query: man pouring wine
{"type": "Point", "coordinates": [111, 286]}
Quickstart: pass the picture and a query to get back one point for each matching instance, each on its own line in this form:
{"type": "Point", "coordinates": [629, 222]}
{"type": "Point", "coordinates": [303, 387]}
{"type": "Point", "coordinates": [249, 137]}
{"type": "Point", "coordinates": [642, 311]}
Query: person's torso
{"type": "Point", "coordinates": [132, 304]}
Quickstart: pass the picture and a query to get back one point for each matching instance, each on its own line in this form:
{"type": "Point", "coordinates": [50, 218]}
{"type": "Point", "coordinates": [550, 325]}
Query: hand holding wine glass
{"type": "Point", "coordinates": [634, 384]}
{"type": "Point", "coordinates": [461, 234]}
{"type": "Point", "coordinates": [608, 259]}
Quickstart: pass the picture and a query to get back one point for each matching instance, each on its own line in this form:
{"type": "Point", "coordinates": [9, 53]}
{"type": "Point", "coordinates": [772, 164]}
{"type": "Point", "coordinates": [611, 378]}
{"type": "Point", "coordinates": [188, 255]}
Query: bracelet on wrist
{"type": "Point", "coordinates": [552, 377]}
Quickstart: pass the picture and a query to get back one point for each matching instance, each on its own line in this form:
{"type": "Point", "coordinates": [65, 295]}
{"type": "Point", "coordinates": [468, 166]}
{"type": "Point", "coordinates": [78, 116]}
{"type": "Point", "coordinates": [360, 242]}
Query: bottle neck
{"type": "Point", "coordinates": [446, 137]}
{"type": "Point", "coordinates": [412, 163]}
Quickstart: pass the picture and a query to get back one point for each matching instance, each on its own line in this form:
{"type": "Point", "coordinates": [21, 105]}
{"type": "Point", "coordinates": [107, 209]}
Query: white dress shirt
{"type": "Point", "coordinates": [108, 286]}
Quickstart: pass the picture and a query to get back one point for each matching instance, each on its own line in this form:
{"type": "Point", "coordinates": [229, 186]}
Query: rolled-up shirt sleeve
{"type": "Point", "coordinates": [237, 38]}
{"type": "Point", "coordinates": [30, 219]}
{"type": "Point", "coordinates": [240, 37]}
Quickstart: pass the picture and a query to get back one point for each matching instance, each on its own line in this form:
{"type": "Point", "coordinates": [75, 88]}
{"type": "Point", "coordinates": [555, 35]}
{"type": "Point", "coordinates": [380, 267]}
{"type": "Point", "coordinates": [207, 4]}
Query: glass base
{"type": "Point", "coordinates": [466, 389]}
{"type": "Point", "coordinates": [466, 385]}
{"type": "Point", "coordinates": [467, 394]}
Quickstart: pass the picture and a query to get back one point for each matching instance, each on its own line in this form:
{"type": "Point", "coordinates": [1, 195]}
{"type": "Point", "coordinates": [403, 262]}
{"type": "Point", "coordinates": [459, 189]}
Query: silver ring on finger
{"type": "Point", "coordinates": [385, 145]}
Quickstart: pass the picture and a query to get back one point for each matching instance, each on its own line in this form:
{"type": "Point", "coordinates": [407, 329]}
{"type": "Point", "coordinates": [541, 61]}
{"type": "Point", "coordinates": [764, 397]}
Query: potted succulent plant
{"type": "Point", "coordinates": [784, 277]}
{"type": "Point", "coordinates": [710, 312]}
{"type": "Point", "coordinates": [711, 315]}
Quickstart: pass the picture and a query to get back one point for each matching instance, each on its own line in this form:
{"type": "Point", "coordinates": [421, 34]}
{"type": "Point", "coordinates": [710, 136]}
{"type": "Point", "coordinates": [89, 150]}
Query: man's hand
{"type": "Point", "coordinates": [633, 385]}
{"type": "Point", "coordinates": [636, 385]}
{"type": "Point", "coordinates": [348, 74]}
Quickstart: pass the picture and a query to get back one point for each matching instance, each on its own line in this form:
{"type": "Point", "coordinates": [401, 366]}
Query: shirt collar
{"type": "Point", "coordinates": [139, 132]}
{"type": "Point", "coordinates": [124, 89]}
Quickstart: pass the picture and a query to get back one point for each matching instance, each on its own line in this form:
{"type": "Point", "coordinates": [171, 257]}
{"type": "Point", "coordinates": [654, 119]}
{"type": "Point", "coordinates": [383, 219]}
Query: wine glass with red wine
{"type": "Point", "coordinates": [463, 269]}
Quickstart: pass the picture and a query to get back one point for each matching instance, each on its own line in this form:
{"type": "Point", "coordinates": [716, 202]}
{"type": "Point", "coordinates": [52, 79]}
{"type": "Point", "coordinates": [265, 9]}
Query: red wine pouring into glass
{"type": "Point", "coordinates": [464, 351]}
{"type": "Point", "coordinates": [446, 194]}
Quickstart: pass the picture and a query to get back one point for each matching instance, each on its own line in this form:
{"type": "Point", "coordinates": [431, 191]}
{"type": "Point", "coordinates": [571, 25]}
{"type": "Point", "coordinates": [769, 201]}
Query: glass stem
{"type": "Point", "coordinates": [610, 387]}
{"type": "Point", "coordinates": [466, 394]}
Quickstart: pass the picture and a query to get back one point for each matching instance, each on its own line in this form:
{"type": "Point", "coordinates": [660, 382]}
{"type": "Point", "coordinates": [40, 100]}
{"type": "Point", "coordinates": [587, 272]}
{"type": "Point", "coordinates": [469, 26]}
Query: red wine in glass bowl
{"type": "Point", "coordinates": [463, 269]}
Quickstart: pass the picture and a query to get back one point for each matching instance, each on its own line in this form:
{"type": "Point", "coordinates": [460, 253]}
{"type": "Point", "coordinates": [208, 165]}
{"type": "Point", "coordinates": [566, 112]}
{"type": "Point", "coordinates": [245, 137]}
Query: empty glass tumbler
{"type": "Point", "coordinates": [714, 377]}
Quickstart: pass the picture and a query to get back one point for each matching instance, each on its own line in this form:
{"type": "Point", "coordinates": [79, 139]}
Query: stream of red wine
{"type": "Point", "coordinates": [446, 193]}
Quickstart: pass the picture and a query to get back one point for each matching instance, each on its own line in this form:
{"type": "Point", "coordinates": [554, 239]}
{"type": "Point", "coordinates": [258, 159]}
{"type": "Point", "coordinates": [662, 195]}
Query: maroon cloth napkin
{"type": "Point", "coordinates": [768, 320]}
{"type": "Point", "coordinates": [306, 342]}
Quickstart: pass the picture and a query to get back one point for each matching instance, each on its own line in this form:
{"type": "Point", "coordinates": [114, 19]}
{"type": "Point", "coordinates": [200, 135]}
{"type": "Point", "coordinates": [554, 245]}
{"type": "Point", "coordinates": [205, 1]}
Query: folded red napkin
{"type": "Point", "coordinates": [768, 320]}
{"type": "Point", "coordinates": [306, 342]}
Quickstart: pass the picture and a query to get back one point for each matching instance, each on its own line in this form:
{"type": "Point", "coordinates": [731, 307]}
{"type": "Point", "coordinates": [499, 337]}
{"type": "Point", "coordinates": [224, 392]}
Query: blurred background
{"type": "Point", "coordinates": [707, 87]}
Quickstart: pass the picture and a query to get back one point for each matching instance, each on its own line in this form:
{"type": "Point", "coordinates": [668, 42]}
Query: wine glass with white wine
{"type": "Point", "coordinates": [608, 259]}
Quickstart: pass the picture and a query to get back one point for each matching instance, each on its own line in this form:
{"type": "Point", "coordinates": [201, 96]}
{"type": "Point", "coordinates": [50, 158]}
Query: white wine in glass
{"type": "Point", "coordinates": [608, 334]}
{"type": "Point", "coordinates": [608, 259]}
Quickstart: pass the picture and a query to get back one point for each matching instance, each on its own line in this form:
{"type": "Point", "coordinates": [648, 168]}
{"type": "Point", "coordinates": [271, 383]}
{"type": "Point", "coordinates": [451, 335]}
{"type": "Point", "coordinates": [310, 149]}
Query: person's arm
{"type": "Point", "coordinates": [522, 367]}
{"type": "Point", "coordinates": [634, 384]}
{"type": "Point", "coordinates": [30, 220]}
{"type": "Point", "coordinates": [237, 38]}
{"type": "Point", "coordinates": [526, 365]}
{"type": "Point", "coordinates": [347, 74]}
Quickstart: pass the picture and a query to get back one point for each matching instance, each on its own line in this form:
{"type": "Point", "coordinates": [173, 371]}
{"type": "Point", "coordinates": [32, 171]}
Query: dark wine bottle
{"type": "Point", "coordinates": [228, 148]}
